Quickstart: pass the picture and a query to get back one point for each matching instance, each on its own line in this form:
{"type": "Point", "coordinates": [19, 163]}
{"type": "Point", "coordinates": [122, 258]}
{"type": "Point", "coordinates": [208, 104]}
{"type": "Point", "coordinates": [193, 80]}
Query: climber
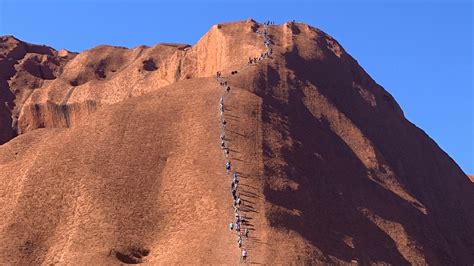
{"type": "Point", "coordinates": [235, 178]}
{"type": "Point", "coordinates": [223, 136]}
{"type": "Point", "coordinates": [226, 151]}
{"type": "Point", "coordinates": [227, 166]}
{"type": "Point", "coordinates": [238, 201]}
{"type": "Point", "coordinates": [231, 226]}
{"type": "Point", "coordinates": [239, 241]}
{"type": "Point", "coordinates": [244, 254]}
{"type": "Point", "coordinates": [223, 144]}
{"type": "Point", "coordinates": [246, 233]}
{"type": "Point", "coordinates": [238, 219]}
{"type": "Point", "coordinates": [227, 89]}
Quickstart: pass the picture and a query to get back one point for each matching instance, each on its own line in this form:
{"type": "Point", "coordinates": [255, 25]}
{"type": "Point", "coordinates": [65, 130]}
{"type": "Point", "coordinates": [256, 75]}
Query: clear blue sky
{"type": "Point", "coordinates": [420, 51]}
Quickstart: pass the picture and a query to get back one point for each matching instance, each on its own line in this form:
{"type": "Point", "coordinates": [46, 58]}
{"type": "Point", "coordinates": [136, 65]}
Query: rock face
{"type": "Point", "coordinates": [117, 158]}
{"type": "Point", "coordinates": [24, 69]}
{"type": "Point", "coordinates": [47, 92]}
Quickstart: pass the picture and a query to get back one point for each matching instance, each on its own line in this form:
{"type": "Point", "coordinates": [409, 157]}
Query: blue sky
{"type": "Point", "coordinates": [420, 51]}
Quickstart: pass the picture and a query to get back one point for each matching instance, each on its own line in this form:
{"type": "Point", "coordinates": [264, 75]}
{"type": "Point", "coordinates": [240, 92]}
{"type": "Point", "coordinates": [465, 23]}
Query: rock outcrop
{"type": "Point", "coordinates": [112, 155]}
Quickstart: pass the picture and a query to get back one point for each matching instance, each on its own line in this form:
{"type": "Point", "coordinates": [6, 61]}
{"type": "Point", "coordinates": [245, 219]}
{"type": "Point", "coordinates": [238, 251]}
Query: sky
{"type": "Point", "coordinates": [421, 51]}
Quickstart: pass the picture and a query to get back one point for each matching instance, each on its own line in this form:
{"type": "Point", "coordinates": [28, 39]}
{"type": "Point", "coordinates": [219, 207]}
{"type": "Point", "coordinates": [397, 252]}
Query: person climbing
{"type": "Point", "coordinates": [227, 166]}
{"type": "Point", "coordinates": [239, 201]}
{"type": "Point", "coordinates": [233, 192]}
{"type": "Point", "coordinates": [231, 226]}
{"type": "Point", "coordinates": [223, 144]}
{"type": "Point", "coordinates": [246, 233]}
{"type": "Point", "coordinates": [244, 254]}
{"type": "Point", "coordinates": [226, 151]}
{"type": "Point", "coordinates": [239, 241]}
{"type": "Point", "coordinates": [224, 123]}
{"type": "Point", "coordinates": [227, 89]}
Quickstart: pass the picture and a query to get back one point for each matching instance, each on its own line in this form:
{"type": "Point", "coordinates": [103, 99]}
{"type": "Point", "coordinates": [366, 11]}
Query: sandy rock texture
{"type": "Point", "coordinates": [112, 156]}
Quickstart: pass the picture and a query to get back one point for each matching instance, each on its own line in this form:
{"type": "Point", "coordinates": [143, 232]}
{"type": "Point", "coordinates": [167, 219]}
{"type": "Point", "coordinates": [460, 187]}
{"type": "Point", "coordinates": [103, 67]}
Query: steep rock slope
{"type": "Point", "coordinates": [338, 152]}
{"type": "Point", "coordinates": [60, 99]}
{"type": "Point", "coordinates": [331, 170]}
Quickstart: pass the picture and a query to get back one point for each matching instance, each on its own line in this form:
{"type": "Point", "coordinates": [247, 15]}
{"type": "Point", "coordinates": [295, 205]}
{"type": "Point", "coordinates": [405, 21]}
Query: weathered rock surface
{"type": "Point", "coordinates": [118, 159]}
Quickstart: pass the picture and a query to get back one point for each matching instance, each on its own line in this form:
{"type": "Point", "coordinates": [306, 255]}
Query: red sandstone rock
{"type": "Point", "coordinates": [118, 157]}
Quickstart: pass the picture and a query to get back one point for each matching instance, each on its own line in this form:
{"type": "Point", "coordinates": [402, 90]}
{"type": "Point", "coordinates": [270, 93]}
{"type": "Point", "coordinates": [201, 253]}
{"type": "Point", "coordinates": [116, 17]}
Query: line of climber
{"type": "Point", "coordinates": [267, 42]}
{"type": "Point", "coordinates": [237, 201]}
{"type": "Point", "coordinates": [240, 221]}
